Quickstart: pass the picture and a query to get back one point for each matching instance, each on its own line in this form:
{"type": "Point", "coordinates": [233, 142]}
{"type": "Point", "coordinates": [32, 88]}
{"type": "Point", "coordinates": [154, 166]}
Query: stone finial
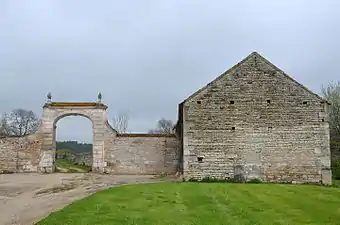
{"type": "Point", "coordinates": [100, 97]}
{"type": "Point", "coordinates": [49, 97]}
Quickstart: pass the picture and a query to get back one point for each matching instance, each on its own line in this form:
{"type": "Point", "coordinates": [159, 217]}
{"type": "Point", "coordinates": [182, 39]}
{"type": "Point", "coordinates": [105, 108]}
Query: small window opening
{"type": "Point", "coordinates": [233, 128]}
{"type": "Point", "coordinates": [305, 103]}
{"type": "Point", "coordinates": [200, 159]}
{"type": "Point", "coordinates": [232, 102]}
{"type": "Point", "coordinates": [199, 102]}
{"type": "Point", "coordinates": [323, 120]}
{"type": "Point", "coordinates": [268, 101]}
{"type": "Point", "coordinates": [270, 128]}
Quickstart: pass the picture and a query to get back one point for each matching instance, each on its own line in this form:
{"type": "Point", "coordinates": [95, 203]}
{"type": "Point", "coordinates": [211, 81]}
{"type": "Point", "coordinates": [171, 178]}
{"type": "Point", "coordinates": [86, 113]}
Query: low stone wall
{"type": "Point", "coordinates": [83, 158]}
{"type": "Point", "coordinates": [124, 154]}
{"type": "Point", "coordinates": [79, 157]}
{"type": "Point", "coordinates": [20, 154]}
{"type": "Point", "coordinates": [142, 154]}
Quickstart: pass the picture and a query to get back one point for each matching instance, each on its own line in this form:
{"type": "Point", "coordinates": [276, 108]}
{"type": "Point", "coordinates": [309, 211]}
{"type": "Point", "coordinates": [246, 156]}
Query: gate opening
{"type": "Point", "coordinates": [73, 137]}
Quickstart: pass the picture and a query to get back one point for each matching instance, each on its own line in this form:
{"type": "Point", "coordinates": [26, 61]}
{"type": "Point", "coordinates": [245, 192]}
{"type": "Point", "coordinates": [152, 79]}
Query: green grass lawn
{"type": "Point", "coordinates": [205, 203]}
{"type": "Point", "coordinates": [68, 166]}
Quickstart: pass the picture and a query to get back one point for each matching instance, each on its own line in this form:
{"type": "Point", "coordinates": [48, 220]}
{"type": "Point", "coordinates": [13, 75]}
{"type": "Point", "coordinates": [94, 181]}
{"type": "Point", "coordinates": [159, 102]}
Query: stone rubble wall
{"type": "Point", "coordinates": [142, 154]}
{"type": "Point", "coordinates": [77, 157]}
{"type": "Point", "coordinates": [20, 154]}
{"type": "Point", "coordinates": [124, 153]}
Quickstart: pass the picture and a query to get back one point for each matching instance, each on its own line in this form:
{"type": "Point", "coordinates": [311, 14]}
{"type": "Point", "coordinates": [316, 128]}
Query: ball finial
{"type": "Point", "coordinates": [100, 97]}
{"type": "Point", "coordinates": [49, 97]}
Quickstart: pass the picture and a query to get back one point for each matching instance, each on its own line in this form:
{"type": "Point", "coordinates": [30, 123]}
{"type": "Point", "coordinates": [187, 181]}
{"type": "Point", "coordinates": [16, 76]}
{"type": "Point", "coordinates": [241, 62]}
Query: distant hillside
{"type": "Point", "coordinates": [74, 146]}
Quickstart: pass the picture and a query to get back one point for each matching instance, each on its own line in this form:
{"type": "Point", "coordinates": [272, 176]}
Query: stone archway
{"type": "Point", "coordinates": [54, 111]}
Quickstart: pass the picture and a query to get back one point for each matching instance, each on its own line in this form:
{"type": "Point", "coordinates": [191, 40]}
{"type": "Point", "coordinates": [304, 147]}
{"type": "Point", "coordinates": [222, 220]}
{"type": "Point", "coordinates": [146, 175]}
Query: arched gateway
{"type": "Point", "coordinates": [54, 111]}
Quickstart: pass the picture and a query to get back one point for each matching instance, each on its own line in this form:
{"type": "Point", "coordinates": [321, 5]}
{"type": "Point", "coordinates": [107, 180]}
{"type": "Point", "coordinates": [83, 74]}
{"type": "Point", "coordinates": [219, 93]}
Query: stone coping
{"type": "Point", "coordinates": [74, 104]}
{"type": "Point", "coordinates": [145, 135]}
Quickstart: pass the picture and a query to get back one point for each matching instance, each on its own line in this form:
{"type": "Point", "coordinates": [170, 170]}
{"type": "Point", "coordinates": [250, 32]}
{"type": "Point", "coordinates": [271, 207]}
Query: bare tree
{"type": "Point", "coordinates": [3, 126]}
{"type": "Point", "coordinates": [163, 127]}
{"type": "Point", "coordinates": [332, 94]}
{"type": "Point", "coordinates": [19, 122]}
{"type": "Point", "coordinates": [120, 122]}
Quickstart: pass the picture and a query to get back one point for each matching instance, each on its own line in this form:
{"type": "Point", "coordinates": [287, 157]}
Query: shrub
{"type": "Point", "coordinates": [254, 181]}
{"type": "Point", "coordinates": [336, 170]}
{"type": "Point", "coordinates": [212, 180]}
{"type": "Point", "coordinates": [239, 178]}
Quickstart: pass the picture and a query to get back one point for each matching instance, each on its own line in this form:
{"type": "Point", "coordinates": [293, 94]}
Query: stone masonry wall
{"type": "Point", "coordinates": [142, 154]}
{"type": "Point", "coordinates": [20, 154]}
{"type": "Point", "coordinates": [123, 153]}
{"type": "Point", "coordinates": [255, 122]}
{"type": "Point", "coordinates": [77, 157]}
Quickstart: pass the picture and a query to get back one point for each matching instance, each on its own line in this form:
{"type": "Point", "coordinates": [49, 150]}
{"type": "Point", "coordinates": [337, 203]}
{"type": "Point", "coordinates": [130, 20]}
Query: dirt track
{"type": "Point", "coordinates": [27, 198]}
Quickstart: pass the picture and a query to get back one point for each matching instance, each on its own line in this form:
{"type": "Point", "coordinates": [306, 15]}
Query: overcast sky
{"type": "Point", "coordinates": [148, 56]}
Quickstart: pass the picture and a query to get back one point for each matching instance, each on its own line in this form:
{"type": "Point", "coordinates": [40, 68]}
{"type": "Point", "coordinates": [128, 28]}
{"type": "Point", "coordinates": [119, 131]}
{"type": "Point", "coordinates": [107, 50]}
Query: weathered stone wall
{"type": "Point", "coordinates": [20, 154]}
{"type": "Point", "coordinates": [255, 122]}
{"type": "Point", "coordinates": [77, 157]}
{"type": "Point", "coordinates": [142, 154]}
{"type": "Point", "coordinates": [83, 158]}
{"type": "Point", "coordinates": [117, 154]}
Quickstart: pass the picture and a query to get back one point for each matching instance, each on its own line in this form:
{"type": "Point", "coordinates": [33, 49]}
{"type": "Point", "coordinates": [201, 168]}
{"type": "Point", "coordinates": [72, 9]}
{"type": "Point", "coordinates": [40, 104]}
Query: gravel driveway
{"type": "Point", "coordinates": [27, 198]}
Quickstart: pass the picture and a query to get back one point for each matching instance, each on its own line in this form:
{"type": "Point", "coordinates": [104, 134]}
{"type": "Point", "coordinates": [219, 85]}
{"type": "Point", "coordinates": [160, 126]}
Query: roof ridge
{"type": "Point", "coordinates": [254, 53]}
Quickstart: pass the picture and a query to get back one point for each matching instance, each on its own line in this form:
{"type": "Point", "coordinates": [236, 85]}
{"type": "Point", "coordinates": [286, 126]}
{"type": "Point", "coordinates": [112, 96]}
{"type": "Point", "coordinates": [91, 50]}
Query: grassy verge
{"type": "Point", "coordinates": [336, 183]}
{"type": "Point", "coordinates": [68, 166]}
{"type": "Point", "coordinates": [205, 203]}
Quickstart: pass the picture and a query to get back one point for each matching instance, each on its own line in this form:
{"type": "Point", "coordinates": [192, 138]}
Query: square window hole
{"type": "Point", "coordinates": [199, 102]}
{"type": "Point", "coordinates": [232, 102]}
{"type": "Point", "coordinates": [305, 102]}
{"type": "Point", "coordinates": [233, 128]}
{"type": "Point", "coordinates": [323, 120]}
{"type": "Point", "coordinates": [200, 159]}
{"type": "Point", "coordinates": [268, 101]}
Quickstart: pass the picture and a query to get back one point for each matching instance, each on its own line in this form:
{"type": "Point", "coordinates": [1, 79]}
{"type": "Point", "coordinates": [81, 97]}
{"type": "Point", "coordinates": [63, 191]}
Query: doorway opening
{"type": "Point", "coordinates": [73, 138]}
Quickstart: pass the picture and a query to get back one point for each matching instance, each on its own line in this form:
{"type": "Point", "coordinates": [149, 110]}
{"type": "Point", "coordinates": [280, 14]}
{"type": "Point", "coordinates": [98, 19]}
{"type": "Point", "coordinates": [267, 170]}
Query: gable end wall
{"type": "Point", "coordinates": [281, 140]}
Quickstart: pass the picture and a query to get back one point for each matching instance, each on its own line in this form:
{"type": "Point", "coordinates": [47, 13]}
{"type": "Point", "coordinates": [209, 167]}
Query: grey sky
{"type": "Point", "coordinates": [147, 56]}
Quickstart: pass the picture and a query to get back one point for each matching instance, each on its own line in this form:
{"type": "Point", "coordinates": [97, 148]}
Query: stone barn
{"type": "Point", "coordinates": [254, 121]}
